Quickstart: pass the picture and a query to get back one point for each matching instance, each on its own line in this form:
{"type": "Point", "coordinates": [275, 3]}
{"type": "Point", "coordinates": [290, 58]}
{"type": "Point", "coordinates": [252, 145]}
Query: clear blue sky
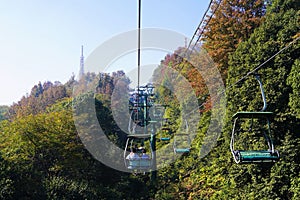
{"type": "Point", "coordinates": [41, 40]}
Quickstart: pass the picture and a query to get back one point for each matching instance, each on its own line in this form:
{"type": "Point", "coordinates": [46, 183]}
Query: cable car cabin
{"type": "Point", "coordinates": [136, 157]}
{"type": "Point", "coordinates": [252, 129]}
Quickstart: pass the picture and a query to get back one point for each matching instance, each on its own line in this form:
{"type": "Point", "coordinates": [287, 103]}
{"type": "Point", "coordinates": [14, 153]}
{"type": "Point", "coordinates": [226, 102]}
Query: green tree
{"type": "Point", "coordinates": [280, 26]}
{"type": "Point", "coordinates": [232, 23]}
{"type": "Point", "coordinates": [294, 81]}
{"type": "Point", "coordinates": [216, 176]}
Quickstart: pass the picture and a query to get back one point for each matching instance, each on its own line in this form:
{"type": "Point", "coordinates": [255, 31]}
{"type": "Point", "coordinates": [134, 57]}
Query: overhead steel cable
{"type": "Point", "coordinates": [202, 29]}
{"type": "Point", "coordinates": [139, 44]}
{"type": "Point", "coordinates": [139, 52]}
{"type": "Point", "coordinates": [265, 62]}
{"type": "Point", "coordinates": [249, 73]}
{"type": "Point", "coordinates": [199, 26]}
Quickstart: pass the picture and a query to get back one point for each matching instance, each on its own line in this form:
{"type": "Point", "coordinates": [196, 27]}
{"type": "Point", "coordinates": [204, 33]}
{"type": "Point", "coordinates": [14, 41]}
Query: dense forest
{"type": "Point", "coordinates": [43, 157]}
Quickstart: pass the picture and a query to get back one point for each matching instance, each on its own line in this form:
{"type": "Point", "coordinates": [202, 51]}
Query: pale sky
{"type": "Point", "coordinates": [41, 40]}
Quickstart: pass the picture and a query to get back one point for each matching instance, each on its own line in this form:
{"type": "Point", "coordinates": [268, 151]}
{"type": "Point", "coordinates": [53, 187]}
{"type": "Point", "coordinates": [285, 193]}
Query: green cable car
{"type": "Point", "coordinates": [259, 128]}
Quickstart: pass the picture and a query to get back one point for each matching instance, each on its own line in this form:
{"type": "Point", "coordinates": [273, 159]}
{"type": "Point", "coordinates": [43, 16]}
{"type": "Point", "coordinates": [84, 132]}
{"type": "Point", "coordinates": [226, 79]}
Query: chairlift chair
{"type": "Point", "coordinates": [158, 112]}
{"type": "Point", "coordinates": [263, 120]}
{"type": "Point", "coordinates": [138, 163]}
{"type": "Point", "coordinates": [182, 141]}
{"type": "Point", "coordinates": [165, 133]}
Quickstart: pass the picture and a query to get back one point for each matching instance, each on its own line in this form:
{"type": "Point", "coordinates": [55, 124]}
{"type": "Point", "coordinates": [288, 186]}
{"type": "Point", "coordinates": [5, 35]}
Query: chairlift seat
{"type": "Point", "coordinates": [182, 150]}
{"type": "Point", "coordinates": [243, 156]}
{"type": "Point", "coordinates": [140, 163]}
{"type": "Point", "coordinates": [145, 163]}
{"type": "Point", "coordinates": [153, 121]}
{"type": "Point", "coordinates": [165, 139]}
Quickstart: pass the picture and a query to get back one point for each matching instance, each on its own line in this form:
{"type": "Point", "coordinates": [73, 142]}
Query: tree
{"type": "Point", "coordinates": [41, 97]}
{"type": "Point", "coordinates": [232, 23]}
{"type": "Point", "coordinates": [294, 81]}
{"type": "Point", "coordinates": [280, 26]}
{"type": "Point", "coordinates": [217, 176]}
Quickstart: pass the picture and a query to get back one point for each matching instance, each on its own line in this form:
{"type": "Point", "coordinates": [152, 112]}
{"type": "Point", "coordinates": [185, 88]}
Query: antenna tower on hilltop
{"type": "Point", "coordinates": [81, 70]}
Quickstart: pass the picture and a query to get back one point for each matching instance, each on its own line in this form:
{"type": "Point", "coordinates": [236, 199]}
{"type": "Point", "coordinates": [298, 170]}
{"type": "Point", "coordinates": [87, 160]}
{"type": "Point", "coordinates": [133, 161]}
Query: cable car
{"type": "Point", "coordinates": [182, 141]}
{"type": "Point", "coordinates": [249, 125]}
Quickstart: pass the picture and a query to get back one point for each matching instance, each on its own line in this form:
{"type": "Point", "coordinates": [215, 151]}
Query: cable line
{"type": "Point", "coordinates": [202, 31]}
{"type": "Point", "coordinates": [199, 27]}
{"type": "Point", "coordinates": [250, 73]}
{"type": "Point", "coordinates": [265, 62]}
{"type": "Point", "coordinates": [139, 43]}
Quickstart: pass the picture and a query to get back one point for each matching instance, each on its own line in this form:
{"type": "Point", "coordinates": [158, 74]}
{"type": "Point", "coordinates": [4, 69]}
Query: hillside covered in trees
{"type": "Point", "coordinates": [43, 157]}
